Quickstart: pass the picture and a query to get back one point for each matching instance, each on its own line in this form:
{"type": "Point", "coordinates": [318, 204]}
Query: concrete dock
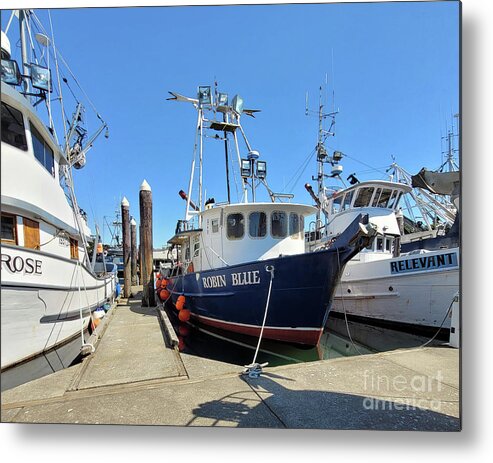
{"type": "Point", "coordinates": [136, 376]}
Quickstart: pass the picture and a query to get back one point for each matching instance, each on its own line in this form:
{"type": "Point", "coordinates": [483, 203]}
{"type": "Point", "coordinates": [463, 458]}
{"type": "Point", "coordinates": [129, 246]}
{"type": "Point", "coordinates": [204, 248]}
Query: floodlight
{"type": "Point", "coordinates": [222, 99]}
{"type": "Point", "coordinates": [246, 168]}
{"type": "Point", "coordinates": [205, 97]}
{"type": "Point", "coordinates": [41, 77]}
{"type": "Point", "coordinates": [237, 104]}
{"type": "Point", "coordinates": [261, 169]}
{"type": "Point", "coordinates": [10, 72]}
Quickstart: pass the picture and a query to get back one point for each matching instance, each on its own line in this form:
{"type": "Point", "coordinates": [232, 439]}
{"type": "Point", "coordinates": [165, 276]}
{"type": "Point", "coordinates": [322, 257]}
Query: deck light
{"type": "Point", "coordinates": [41, 77]}
{"type": "Point", "coordinates": [205, 96]}
{"type": "Point", "coordinates": [261, 169]}
{"type": "Point", "coordinates": [222, 99]}
{"type": "Point", "coordinates": [237, 104]}
{"type": "Point", "coordinates": [246, 168]}
{"type": "Point", "coordinates": [10, 72]}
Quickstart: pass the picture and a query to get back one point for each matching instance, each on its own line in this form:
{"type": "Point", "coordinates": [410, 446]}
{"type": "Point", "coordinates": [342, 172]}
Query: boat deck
{"type": "Point", "coordinates": [138, 376]}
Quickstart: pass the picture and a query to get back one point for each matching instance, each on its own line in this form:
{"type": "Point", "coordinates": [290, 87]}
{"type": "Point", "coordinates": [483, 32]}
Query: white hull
{"type": "Point", "coordinates": [417, 296]}
{"type": "Point", "coordinates": [42, 310]}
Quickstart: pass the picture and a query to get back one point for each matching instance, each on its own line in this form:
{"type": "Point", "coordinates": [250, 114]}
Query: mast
{"type": "Point", "coordinates": [25, 58]}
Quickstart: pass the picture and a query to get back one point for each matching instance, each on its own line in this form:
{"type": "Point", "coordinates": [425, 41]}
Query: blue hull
{"type": "Point", "coordinates": [234, 297]}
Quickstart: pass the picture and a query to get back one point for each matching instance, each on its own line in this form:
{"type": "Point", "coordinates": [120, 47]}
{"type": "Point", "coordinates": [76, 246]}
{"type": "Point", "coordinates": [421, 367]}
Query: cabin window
{"type": "Point", "coordinates": [294, 226]}
{"type": "Point", "coordinates": [42, 152]}
{"type": "Point", "coordinates": [257, 224]}
{"type": "Point", "coordinates": [376, 197]}
{"type": "Point", "coordinates": [235, 228]}
{"type": "Point", "coordinates": [196, 247]}
{"type": "Point", "coordinates": [394, 200]}
{"type": "Point", "coordinates": [31, 233]}
{"type": "Point", "coordinates": [215, 225]}
{"type": "Point", "coordinates": [336, 204]}
{"type": "Point", "coordinates": [279, 224]}
{"type": "Point", "coordinates": [9, 229]}
{"type": "Point", "coordinates": [388, 244]}
{"type": "Point", "coordinates": [74, 249]}
{"type": "Point", "coordinates": [347, 200]}
{"type": "Point", "coordinates": [379, 244]}
{"type": "Point", "coordinates": [364, 197]}
{"type": "Point", "coordinates": [384, 198]}
{"type": "Point", "coordinates": [13, 131]}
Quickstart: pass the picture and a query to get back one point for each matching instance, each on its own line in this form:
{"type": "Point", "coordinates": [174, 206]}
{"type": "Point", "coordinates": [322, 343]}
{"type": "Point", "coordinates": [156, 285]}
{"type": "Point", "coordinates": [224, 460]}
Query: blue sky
{"type": "Point", "coordinates": [395, 73]}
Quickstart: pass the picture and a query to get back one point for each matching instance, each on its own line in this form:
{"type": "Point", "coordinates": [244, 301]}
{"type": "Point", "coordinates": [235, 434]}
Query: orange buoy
{"type": "Point", "coordinates": [164, 283]}
{"type": "Point", "coordinates": [158, 285]}
{"type": "Point", "coordinates": [181, 343]}
{"type": "Point", "coordinates": [184, 315]}
{"type": "Point", "coordinates": [183, 330]}
{"type": "Point", "coordinates": [164, 294]}
{"type": "Point", "coordinates": [180, 302]}
{"type": "Point", "coordinates": [158, 276]}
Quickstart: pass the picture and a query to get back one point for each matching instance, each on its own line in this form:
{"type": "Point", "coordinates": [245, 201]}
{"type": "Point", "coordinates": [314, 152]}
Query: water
{"type": "Point", "coordinates": [207, 342]}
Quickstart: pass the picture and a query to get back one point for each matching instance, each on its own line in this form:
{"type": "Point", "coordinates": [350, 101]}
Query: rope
{"type": "Point", "coordinates": [255, 369]}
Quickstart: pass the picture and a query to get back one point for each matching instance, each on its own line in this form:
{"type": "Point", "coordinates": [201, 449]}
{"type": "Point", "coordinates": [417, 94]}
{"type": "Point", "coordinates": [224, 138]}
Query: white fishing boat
{"type": "Point", "coordinates": [407, 280]}
{"type": "Point", "coordinates": [49, 287]}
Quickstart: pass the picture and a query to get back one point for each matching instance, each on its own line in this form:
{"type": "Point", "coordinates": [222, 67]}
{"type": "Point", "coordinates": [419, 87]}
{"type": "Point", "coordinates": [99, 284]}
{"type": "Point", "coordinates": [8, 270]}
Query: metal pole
{"type": "Point", "coordinates": [200, 171]}
{"type": "Point", "coordinates": [133, 251]}
{"type": "Point", "coordinates": [127, 274]}
{"type": "Point", "coordinates": [25, 59]}
{"type": "Point", "coordinates": [146, 260]}
{"type": "Point", "coordinates": [227, 162]}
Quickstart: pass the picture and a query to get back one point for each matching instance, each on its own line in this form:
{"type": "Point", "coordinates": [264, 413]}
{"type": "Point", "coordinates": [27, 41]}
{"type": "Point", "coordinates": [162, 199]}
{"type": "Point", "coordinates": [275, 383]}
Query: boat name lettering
{"type": "Point", "coordinates": [216, 281]}
{"type": "Point", "coordinates": [18, 264]}
{"type": "Point", "coordinates": [424, 263]}
{"type": "Point", "coordinates": [63, 241]}
{"type": "Point", "coordinates": [245, 278]}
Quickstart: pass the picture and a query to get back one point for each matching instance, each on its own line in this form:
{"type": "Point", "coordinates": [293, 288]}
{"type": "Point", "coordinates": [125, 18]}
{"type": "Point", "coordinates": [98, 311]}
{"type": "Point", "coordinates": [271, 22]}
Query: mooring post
{"type": "Point", "coordinates": [133, 251]}
{"type": "Point", "coordinates": [127, 277]}
{"type": "Point", "coordinates": [146, 261]}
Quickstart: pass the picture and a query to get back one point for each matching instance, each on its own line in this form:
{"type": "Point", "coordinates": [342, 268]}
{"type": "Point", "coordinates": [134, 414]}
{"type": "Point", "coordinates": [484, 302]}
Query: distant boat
{"type": "Point", "coordinates": [242, 266]}
{"type": "Point", "coordinates": [49, 286]}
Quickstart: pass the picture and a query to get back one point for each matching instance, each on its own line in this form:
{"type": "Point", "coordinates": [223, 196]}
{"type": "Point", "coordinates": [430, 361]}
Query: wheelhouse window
{"type": "Point", "coordinates": [394, 200]}
{"type": "Point", "coordinates": [42, 152]}
{"type": "Point", "coordinates": [13, 130]}
{"type": "Point", "coordinates": [347, 200]}
{"type": "Point", "coordinates": [235, 226]}
{"type": "Point", "coordinates": [384, 198]}
{"type": "Point", "coordinates": [336, 204]}
{"type": "Point", "coordinates": [364, 197]}
{"type": "Point", "coordinates": [279, 224]}
{"type": "Point", "coordinates": [376, 197]}
{"type": "Point", "coordinates": [294, 226]}
{"type": "Point", "coordinates": [257, 224]}
{"type": "Point", "coordinates": [9, 229]}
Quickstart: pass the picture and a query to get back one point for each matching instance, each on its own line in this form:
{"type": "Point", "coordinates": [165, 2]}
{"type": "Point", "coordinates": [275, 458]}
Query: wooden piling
{"type": "Point", "coordinates": [133, 251]}
{"type": "Point", "coordinates": [146, 261]}
{"type": "Point", "coordinates": [127, 275]}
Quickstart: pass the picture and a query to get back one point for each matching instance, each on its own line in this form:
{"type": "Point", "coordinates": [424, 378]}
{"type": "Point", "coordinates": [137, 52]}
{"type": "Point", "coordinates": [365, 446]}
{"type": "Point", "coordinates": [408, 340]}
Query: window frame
{"type": "Point", "coordinates": [10, 108]}
{"type": "Point", "coordinates": [298, 234]}
{"type": "Point", "coordinates": [287, 225]}
{"type": "Point", "coordinates": [74, 248]}
{"type": "Point", "coordinates": [47, 150]}
{"type": "Point", "coordinates": [14, 229]}
{"type": "Point", "coordinates": [259, 237]}
{"type": "Point", "coordinates": [235, 238]}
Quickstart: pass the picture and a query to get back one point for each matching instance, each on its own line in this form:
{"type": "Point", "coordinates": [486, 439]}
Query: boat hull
{"type": "Point", "coordinates": [234, 298]}
{"type": "Point", "coordinates": [401, 291]}
{"type": "Point", "coordinates": [44, 309]}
